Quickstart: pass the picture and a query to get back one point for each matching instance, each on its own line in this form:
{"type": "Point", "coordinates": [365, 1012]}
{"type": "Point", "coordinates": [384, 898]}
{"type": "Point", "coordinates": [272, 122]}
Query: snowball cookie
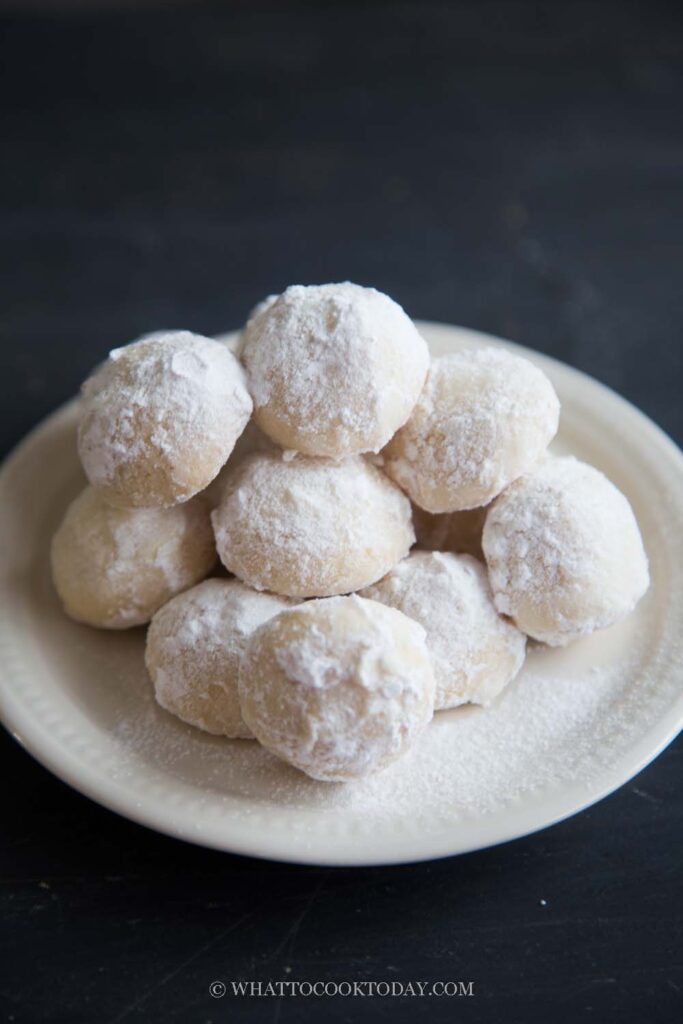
{"type": "Point", "coordinates": [564, 552]}
{"type": "Point", "coordinates": [311, 527]}
{"type": "Point", "coordinates": [334, 369]}
{"type": "Point", "coordinates": [485, 416]}
{"type": "Point", "coordinates": [194, 646]}
{"type": "Point", "coordinates": [474, 651]}
{"type": "Point", "coordinates": [339, 688]}
{"type": "Point", "coordinates": [115, 567]}
{"type": "Point", "coordinates": [160, 418]}
{"type": "Point", "coordinates": [459, 532]}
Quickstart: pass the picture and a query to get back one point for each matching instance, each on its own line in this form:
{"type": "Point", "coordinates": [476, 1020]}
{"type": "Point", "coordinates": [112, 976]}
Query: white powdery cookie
{"type": "Point", "coordinates": [114, 567]}
{"type": "Point", "coordinates": [485, 416]}
{"type": "Point", "coordinates": [564, 552]}
{"type": "Point", "coordinates": [193, 651]}
{"type": "Point", "coordinates": [334, 369]}
{"type": "Point", "coordinates": [339, 688]}
{"type": "Point", "coordinates": [475, 652]}
{"type": "Point", "coordinates": [160, 417]}
{"type": "Point", "coordinates": [311, 527]}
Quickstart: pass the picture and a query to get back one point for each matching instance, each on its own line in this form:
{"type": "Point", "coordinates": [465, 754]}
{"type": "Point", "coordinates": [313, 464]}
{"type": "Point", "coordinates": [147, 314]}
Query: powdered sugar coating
{"type": "Point", "coordinates": [334, 369]}
{"type": "Point", "coordinates": [193, 651]}
{"type": "Point", "coordinates": [485, 416]}
{"type": "Point", "coordinates": [257, 310]}
{"type": "Point", "coordinates": [251, 441]}
{"type": "Point", "coordinates": [115, 567]}
{"type": "Point", "coordinates": [311, 527]}
{"type": "Point", "coordinates": [475, 652]}
{"type": "Point", "coordinates": [564, 552]}
{"type": "Point", "coordinates": [160, 417]}
{"type": "Point", "coordinates": [339, 688]}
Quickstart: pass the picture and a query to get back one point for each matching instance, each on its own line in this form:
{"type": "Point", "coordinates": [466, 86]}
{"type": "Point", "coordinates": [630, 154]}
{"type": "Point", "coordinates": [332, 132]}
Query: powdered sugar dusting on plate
{"type": "Point", "coordinates": [568, 715]}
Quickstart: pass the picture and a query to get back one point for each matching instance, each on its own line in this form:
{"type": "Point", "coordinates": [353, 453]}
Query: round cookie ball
{"type": "Point", "coordinates": [338, 688]}
{"type": "Point", "coordinates": [458, 532]}
{"type": "Point", "coordinates": [334, 369]}
{"type": "Point", "coordinates": [474, 651]}
{"type": "Point", "coordinates": [564, 552]}
{"type": "Point", "coordinates": [115, 567]}
{"type": "Point", "coordinates": [311, 527]}
{"type": "Point", "coordinates": [160, 417]}
{"type": "Point", "coordinates": [193, 651]}
{"type": "Point", "coordinates": [485, 416]}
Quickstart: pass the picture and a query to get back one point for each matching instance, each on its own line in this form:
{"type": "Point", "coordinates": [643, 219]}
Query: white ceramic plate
{"type": "Point", "coordinates": [575, 725]}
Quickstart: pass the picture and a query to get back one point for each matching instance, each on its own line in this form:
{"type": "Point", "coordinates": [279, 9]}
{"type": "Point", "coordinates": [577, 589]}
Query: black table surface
{"type": "Point", "coordinates": [513, 167]}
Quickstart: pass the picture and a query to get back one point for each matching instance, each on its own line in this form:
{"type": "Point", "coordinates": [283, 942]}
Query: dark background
{"type": "Point", "coordinates": [515, 167]}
